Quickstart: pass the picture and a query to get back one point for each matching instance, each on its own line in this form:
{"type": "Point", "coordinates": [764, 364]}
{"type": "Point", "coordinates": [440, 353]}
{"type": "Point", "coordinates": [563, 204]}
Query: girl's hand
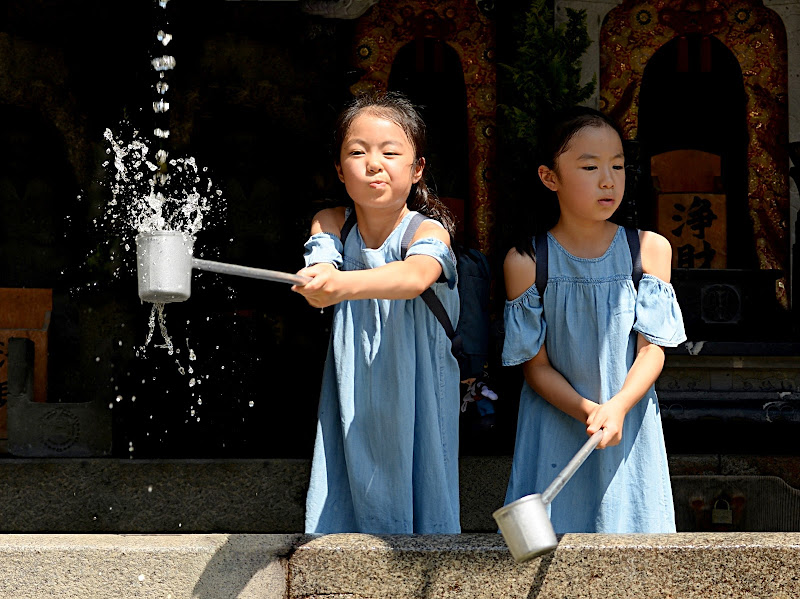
{"type": "Point", "coordinates": [324, 288]}
{"type": "Point", "coordinates": [609, 416]}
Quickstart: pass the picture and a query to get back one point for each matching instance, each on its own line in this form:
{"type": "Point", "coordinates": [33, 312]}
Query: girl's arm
{"type": "Point", "coordinates": [520, 273]}
{"type": "Point", "coordinates": [404, 279]}
{"type": "Point", "coordinates": [646, 368]}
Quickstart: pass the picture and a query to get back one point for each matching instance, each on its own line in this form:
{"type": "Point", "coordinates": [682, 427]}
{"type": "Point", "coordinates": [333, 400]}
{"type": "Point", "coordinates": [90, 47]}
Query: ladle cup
{"type": "Point", "coordinates": [525, 525]}
{"type": "Point", "coordinates": [164, 267]}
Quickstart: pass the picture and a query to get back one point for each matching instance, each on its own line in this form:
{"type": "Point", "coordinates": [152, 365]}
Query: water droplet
{"type": "Point", "coordinates": [164, 38]}
{"type": "Point", "coordinates": [163, 63]}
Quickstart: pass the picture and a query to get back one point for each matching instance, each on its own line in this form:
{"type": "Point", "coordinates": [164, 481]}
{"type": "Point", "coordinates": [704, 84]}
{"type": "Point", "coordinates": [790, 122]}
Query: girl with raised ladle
{"type": "Point", "coordinates": [386, 452]}
{"type": "Point", "coordinates": [590, 340]}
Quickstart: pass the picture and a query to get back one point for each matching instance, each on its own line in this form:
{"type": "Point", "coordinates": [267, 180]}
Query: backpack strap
{"type": "Point", "coordinates": [435, 304]}
{"type": "Point", "coordinates": [408, 235]}
{"type": "Point", "coordinates": [429, 296]}
{"type": "Point", "coordinates": [540, 249]}
{"type": "Point", "coordinates": [636, 255]}
{"type": "Point", "coordinates": [416, 221]}
{"type": "Point", "coordinates": [349, 223]}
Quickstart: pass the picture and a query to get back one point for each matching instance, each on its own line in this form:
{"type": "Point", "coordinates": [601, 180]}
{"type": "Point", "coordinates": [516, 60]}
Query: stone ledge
{"type": "Point", "coordinates": [679, 566]}
{"type": "Point", "coordinates": [144, 566]}
{"type": "Point", "coordinates": [354, 566]}
{"type": "Point", "coordinates": [268, 496]}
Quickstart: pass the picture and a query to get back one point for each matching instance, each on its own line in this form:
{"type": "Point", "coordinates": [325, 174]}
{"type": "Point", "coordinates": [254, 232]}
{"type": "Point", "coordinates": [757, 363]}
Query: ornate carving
{"type": "Point", "coordinates": [635, 29]}
{"type": "Point", "coordinates": [464, 26]}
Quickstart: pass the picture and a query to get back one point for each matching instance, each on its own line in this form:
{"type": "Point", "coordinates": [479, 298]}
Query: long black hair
{"type": "Point", "coordinates": [395, 107]}
{"type": "Point", "coordinates": [553, 140]}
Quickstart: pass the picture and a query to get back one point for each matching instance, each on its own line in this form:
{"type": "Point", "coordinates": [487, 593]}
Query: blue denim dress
{"type": "Point", "coordinates": [589, 323]}
{"type": "Point", "coordinates": [386, 452]}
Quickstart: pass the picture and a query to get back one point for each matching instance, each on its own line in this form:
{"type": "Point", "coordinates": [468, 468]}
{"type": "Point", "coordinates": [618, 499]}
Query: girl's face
{"type": "Point", "coordinates": [589, 176]}
{"type": "Point", "coordinates": [377, 162]}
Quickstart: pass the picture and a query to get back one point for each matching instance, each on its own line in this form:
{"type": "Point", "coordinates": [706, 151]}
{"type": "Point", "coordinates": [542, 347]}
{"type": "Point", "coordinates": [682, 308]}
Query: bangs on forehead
{"type": "Point", "coordinates": [595, 123]}
{"type": "Point", "coordinates": [388, 114]}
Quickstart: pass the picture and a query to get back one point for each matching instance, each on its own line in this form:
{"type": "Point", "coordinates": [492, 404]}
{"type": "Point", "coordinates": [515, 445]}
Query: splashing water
{"type": "Point", "coordinates": [157, 313]}
{"type": "Point", "coordinates": [151, 191]}
{"type": "Point", "coordinates": [145, 201]}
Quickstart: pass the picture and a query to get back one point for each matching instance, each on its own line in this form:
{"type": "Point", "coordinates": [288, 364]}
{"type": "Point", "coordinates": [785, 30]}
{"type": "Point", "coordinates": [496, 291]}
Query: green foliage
{"type": "Point", "coordinates": [545, 73]}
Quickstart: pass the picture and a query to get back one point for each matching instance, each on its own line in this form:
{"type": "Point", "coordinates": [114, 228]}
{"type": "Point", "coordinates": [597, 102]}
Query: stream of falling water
{"type": "Point", "coordinates": [151, 191]}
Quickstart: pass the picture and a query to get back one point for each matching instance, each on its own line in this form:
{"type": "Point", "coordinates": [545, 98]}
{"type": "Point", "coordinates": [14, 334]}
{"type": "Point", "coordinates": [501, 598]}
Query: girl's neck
{"type": "Point", "coordinates": [584, 239]}
{"type": "Point", "coordinates": [376, 225]}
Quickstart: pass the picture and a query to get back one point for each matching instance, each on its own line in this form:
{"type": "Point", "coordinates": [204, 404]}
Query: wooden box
{"type": "Point", "coordinates": [23, 313]}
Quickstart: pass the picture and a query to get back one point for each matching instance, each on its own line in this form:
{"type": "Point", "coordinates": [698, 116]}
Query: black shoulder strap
{"type": "Point", "coordinates": [428, 296]}
{"type": "Point", "coordinates": [349, 223]}
{"type": "Point", "coordinates": [408, 235]}
{"type": "Point", "coordinates": [540, 249]}
{"type": "Point", "coordinates": [416, 221]}
{"type": "Point", "coordinates": [636, 255]}
{"type": "Point", "coordinates": [435, 305]}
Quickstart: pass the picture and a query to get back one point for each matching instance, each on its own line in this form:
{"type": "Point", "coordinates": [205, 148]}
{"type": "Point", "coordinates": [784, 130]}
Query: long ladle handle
{"type": "Point", "coordinates": [249, 271]}
{"type": "Point", "coordinates": [566, 474]}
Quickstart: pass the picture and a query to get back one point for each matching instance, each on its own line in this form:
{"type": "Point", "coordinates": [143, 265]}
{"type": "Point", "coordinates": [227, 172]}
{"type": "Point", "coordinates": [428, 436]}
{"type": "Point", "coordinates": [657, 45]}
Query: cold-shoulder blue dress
{"type": "Point", "coordinates": [589, 322]}
{"type": "Point", "coordinates": [386, 452]}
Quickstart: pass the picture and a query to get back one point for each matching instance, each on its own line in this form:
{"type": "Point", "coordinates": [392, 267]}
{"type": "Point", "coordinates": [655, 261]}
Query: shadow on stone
{"type": "Point", "coordinates": [247, 567]}
{"type": "Point", "coordinates": [541, 574]}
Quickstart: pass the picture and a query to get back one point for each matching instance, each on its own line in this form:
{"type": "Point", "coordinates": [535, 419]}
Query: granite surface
{"type": "Point", "coordinates": [356, 566]}
{"type": "Point", "coordinates": [144, 566]}
{"type": "Point", "coordinates": [678, 566]}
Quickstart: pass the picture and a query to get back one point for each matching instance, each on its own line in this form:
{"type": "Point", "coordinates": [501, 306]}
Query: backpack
{"type": "Point", "coordinates": [470, 339]}
{"type": "Point", "coordinates": [540, 249]}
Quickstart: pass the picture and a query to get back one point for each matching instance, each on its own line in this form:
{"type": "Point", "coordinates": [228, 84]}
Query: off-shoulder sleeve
{"type": "Point", "coordinates": [658, 315]}
{"type": "Point", "coordinates": [525, 327]}
{"type": "Point", "coordinates": [323, 247]}
{"type": "Point", "coordinates": [437, 249]}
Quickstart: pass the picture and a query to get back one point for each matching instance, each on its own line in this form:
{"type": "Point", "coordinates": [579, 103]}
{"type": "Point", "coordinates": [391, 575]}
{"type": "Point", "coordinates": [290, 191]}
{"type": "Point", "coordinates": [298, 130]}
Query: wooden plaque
{"type": "Point", "coordinates": [696, 226]}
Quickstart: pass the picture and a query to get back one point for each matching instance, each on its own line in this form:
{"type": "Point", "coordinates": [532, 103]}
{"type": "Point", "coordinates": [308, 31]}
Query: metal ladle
{"type": "Point", "coordinates": [164, 267]}
{"type": "Point", "coordinates": [525, 525]}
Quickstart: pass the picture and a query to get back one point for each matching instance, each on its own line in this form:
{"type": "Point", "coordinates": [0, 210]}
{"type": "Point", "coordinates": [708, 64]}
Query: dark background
{"type": "Point", "coordinates": [253, 97]}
